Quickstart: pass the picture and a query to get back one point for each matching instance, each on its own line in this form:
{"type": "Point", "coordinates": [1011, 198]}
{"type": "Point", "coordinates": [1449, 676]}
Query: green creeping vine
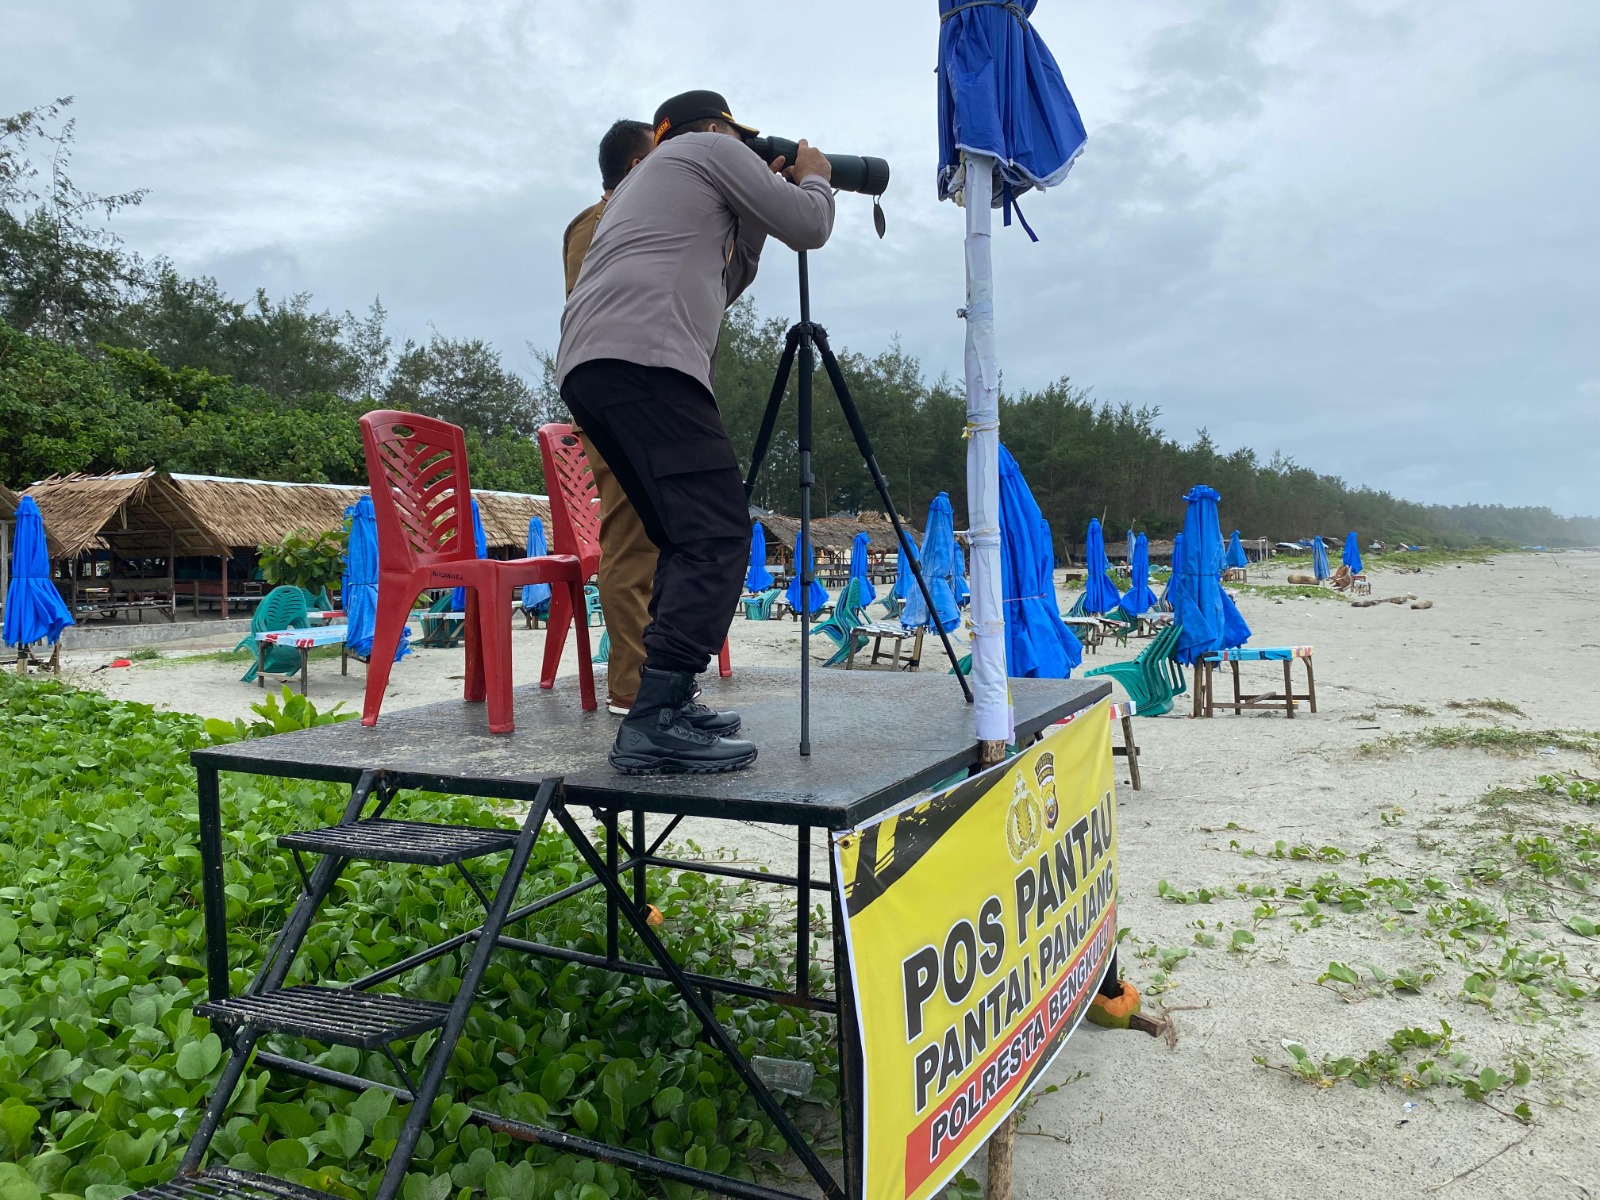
{"type": "Point", "coordinates": [104, 1067]}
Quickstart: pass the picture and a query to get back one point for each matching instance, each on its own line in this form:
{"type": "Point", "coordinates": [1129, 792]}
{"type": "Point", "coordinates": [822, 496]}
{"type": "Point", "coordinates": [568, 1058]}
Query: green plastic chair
{"type": "Point", "coordinates": [892, 604]}
{"type": "Point", "coordinates": [602, 653]}
{"type": "Point", "coordinates": [1122, 625]}
{"type": "Point", "coordinates": [439, 632]}
{"type": "Point", "coordinates": [842, 626]}
{"type": "Point", "coordinates": [593, 612]}
{"type": "Point", "coordinates": [759, 607]}
{"type": "Point", "coordinates": [1153, 678]}
{"type": "Point", "coordinates": [283, 608]}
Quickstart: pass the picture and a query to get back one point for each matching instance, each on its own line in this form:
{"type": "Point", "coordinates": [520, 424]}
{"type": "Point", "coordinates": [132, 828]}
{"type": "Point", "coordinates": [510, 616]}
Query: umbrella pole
{"type": "Point", "coordinates": [992, 701]}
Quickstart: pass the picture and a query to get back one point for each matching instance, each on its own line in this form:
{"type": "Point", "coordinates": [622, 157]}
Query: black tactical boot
{"type": "Point", "coordinates": [705, 718]}
{"type": "Point", "coordinates": [656, 737]}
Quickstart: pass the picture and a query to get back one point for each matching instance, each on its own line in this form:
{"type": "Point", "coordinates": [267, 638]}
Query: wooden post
{"type": "Point", "coordinates": [172, 576]}
{"type": "Point", "coordinates": [224, 590]}
{"type": "Point", "coordinates": [1003, 1139]}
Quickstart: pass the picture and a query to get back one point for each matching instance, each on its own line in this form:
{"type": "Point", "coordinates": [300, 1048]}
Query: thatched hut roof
{"type": "Point", "coordinates": [835, 535]}
{"type": "Point", "coordinates": [246, 513]}
{"type": "Point", "coordinates": [134, 513]}
{"type": "Point", "coordinates": [8, 503]}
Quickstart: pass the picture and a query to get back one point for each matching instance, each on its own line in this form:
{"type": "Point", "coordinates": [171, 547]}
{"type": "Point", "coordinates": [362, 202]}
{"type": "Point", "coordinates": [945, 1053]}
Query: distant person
{"type": "Point", "coordinates": [627, 555]}
{"type": "Point", "coordinates": [680, 240]}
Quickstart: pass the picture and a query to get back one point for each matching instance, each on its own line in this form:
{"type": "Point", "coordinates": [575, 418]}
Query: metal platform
{"type": "Point", "coordinates": [877, 738]}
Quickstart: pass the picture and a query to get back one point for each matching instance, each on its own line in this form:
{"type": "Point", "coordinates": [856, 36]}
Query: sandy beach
{"type": "Point", "coordinates": [1240, 815]}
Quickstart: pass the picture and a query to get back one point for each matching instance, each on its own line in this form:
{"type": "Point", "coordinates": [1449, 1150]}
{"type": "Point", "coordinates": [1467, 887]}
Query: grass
{"type": "Point", "coordinates": [149, 657]}
{"type": "Point", "coordinates": [1480, 706]}
{"type": "Point", "coordinates": [1410, 710]}
{"type": "Point", "coordinates": [1511, 743]}
{"type": "Point", "coordinates": [1288, 591]}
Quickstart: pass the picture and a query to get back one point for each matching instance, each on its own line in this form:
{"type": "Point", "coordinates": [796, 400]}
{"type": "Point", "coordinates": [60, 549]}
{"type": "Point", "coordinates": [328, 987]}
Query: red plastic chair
{"type": "Point", "coordinates": [422, 497]}
{"type": "Point", "coordinates": [575, 531]}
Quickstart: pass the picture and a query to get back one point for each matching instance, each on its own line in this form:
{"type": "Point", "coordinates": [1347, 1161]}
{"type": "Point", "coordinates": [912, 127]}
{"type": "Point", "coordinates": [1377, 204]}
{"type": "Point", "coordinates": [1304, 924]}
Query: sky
{"type": "Point", "coordinates": [1362, 233]}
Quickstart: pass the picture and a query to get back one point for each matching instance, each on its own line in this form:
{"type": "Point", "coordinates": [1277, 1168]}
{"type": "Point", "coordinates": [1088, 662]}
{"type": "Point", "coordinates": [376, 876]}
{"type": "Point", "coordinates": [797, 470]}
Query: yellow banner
{"type": "Point", "coordinates": [979, 923]}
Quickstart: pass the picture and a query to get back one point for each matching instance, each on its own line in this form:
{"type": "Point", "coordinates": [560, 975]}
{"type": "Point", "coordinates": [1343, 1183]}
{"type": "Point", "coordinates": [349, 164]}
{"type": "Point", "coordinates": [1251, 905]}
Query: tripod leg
{"type": "Point", "coordinates": [769, 419]}
{"type": "Point", "coordinates": [863, 443]}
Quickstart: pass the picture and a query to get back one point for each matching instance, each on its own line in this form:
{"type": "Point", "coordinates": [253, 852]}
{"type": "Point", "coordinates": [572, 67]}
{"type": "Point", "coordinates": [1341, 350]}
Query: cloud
{"type": "Point", "coordinates": [1360, 232]}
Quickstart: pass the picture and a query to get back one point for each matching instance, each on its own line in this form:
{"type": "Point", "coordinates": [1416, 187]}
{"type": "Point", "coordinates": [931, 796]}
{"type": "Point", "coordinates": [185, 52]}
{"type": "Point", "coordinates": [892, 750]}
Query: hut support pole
{"type": "Point", "coordinates": [1003, 1139]}
{"type": "Point", "coordinates": [172, 576]}
{"type": "Point", "coordinates": [5, 562]}
{"type": "Point", "coordinates": [224, 591]}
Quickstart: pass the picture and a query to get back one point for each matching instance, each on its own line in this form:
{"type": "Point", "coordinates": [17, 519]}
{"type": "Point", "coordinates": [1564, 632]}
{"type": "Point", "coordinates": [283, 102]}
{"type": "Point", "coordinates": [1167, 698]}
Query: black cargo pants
{"type": "Point", "coordinates": [662, 436]}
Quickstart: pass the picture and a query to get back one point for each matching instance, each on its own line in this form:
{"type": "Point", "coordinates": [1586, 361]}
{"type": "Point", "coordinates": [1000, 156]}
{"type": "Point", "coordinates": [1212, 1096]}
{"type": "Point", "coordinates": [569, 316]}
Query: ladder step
{"type": "Point", "coordinates": [340, 1016]}
{"type": "Point", "coordinates": [402, 841]}
{"type": "Point", "coordinates": [224, 1183]}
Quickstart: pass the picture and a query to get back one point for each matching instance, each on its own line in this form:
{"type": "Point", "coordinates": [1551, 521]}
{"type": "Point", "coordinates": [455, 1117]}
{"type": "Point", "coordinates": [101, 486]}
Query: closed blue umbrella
{"type": "Point", "coordinates": [359, 593]}
{"type": "Point", "coordinates": [941, 569]}
{"type": "Point", "coordinates": [1235, 556]}
{"type": "Point", "coordinates": [536, 596]}
{"type": "Point", "coordinates": [758, 578]}
{"type": "Point", "coordinates": [904, 581]}
{"type": "Point", "coordinates": [818, 595]}
{"type": "Point", "coordinates": [1039, 645]}
{"type": "Point", "coordinates": [858, 567]}
{"type": "Point", "coordinates": [1099, 593]}
{"type": "Point", "coordinates": [1319, 559]}
{"type": "Point", "coordinates": [1352, 552]}
{"type": "Point", "coordinates": [1177, 549]}
{"type": "Point", "coordinates": [1139, 599]}
{"type": "Point", "coordinates": [1006, 124]}
{"type": "Point", "coordinates": [1133, 543]}
{"type": "Point", "coordinates": [34, 609]}
{"type": "Point", "coordinates": [458, 598]}
{"type": "Point", "coordinates": [1207, 613]}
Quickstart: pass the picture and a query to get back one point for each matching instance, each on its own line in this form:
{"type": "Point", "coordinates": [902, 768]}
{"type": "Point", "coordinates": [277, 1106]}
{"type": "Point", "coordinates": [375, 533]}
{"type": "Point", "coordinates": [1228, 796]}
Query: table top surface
{"type": "Point", "coordinates": [316, 635]}
{"type": "Point", "coordinates": [877, 737]}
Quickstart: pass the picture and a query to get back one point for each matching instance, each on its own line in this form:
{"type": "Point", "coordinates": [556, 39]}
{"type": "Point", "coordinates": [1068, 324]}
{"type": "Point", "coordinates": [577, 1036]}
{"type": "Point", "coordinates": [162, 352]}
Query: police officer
{"type": "Point", "coordinates": [679, 241]}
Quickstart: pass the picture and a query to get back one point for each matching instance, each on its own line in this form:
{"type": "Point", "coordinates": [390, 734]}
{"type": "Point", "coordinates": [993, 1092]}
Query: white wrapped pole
{"type": "Point", "coordinates": [991, 696]}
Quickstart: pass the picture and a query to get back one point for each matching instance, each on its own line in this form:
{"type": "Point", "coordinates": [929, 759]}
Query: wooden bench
{"type": "Point", "coordinates": [1206, 704]}
{"type": "Point", "coordinates": [302, 640]}
{"type": "Point", "coordinates": [1122, 712]}
{"type": "Point", "coordinates": [886, 631]}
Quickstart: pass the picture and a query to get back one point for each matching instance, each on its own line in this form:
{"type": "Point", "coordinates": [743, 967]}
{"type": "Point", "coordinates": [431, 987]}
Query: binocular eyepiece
{"type": "Point", "coordinates": [851, 172]}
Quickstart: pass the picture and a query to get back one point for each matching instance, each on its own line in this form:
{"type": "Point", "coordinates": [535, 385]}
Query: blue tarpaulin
{"type": "Point", "coordinates": [1177, 549]}
{"type": "Point", "coordinates": [1139, 599]}
{"type": "Point", "coordinates": [858, 567]}
{"type": "Point", "coordinates": [1002, 95]}
{"type": "Point", "coordinates": [536, 596]}
{"type": "Point", "coordinates": [35, 611]}
{"type": "Point", "coordinates": [359, 593]}
{"type": "Point", "coordinates": [941, 569]}
{"type": "Point", "coordinates": [458, 598]}
{"type": "Point", "coordinates": [1235, 556]}
{"type": "Point", "coordinates": [1039, 645]}
{"type": "Point", "coordinates": [758, 578]}
{"type": "Point", "coordinates": [1352, 552]}
{"type": "Point", "coordinates": [818, 595]}
{"type": "Point", "coordinates": [1319, 560]}
{"type": "Point", "coordinates": [1207, 613]}
{"type": "Point", "coordinates": [1099, 593]}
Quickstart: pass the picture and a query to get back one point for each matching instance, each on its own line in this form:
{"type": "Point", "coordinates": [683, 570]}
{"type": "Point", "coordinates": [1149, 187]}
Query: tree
{"type": "Point", "coordinates": [61, 275]}
{"type": "Point", "coordinates": [462, 381]}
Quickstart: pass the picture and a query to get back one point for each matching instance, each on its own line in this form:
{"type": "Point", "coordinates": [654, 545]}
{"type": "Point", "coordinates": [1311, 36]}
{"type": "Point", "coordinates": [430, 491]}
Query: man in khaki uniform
{"type": "Point", "coordinates": [627, 555]}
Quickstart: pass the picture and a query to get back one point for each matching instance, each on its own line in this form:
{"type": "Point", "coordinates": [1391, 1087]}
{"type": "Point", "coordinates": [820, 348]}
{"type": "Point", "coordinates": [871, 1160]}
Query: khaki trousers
{"type": "Point", "coordinates": [627, 573]}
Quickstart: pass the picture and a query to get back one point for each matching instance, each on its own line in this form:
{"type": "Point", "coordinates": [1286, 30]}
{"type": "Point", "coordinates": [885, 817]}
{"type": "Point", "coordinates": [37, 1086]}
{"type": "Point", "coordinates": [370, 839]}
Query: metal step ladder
{"type": "Point", "coordinates": [352, 1016]}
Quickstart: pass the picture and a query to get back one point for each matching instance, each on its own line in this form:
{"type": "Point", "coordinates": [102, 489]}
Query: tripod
{"type": "Point", "coordinates": [809, 339]}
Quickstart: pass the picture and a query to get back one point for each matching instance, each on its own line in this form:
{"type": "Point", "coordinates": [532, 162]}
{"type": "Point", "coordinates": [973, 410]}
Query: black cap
{"type": "Point", "coordinates": [687, 107]}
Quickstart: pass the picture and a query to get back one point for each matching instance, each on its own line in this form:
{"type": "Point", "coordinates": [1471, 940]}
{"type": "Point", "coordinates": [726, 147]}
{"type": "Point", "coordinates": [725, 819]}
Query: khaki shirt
{"type": "Point", "coordinates": [575, 242]}
{"type": "Point", "coordinates": [681, 239]}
